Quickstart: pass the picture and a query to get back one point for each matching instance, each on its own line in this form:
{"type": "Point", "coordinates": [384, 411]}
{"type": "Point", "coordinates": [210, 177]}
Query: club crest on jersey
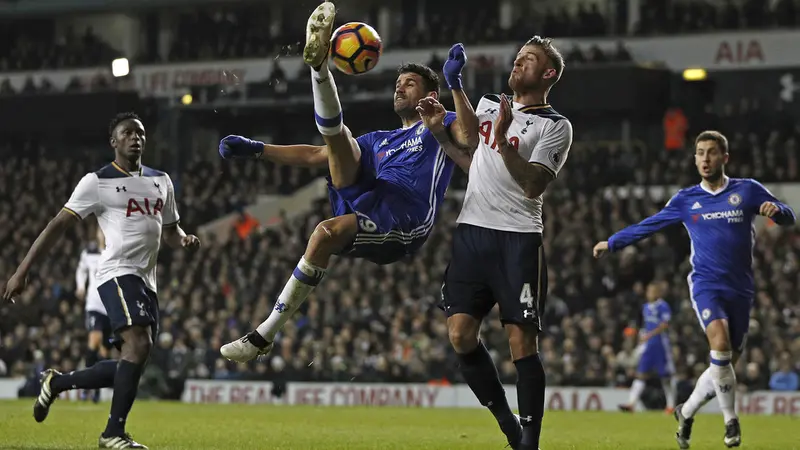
{"type": "Point", "coordinates": [706, 314]}
{"type": "Point", "coordinates": [735, 199]}
{"type": "Point", "coordinates": [420, 130]}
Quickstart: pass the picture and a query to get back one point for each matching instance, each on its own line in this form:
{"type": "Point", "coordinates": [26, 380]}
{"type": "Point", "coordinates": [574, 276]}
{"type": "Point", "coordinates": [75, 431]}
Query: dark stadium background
{"type": "Point", "coordinates": [624, 77]}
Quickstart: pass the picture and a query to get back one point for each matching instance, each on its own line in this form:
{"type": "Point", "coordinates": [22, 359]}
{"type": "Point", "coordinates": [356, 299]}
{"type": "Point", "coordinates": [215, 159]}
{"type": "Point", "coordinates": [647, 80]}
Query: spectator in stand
{"type": "Point", "coordinates": [785, 378]}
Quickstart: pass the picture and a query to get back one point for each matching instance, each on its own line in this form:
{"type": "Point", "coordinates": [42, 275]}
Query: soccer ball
{"type": "Point", "coordinates": [355, 48]}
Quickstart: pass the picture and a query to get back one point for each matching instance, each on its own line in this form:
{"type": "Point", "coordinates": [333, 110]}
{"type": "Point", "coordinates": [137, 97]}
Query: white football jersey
{"type": "Point", "coordinates": [131, 209]}
{"type": "Point", "coordinates": [493, 199]}
{"type": "Point", "coordinates": [87, 271]}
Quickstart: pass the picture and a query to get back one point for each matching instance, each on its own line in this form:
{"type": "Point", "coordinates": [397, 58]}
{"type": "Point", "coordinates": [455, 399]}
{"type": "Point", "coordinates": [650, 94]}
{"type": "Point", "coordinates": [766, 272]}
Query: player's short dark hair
{"type": "Point", "coordinates": [429, 76]}
{"type": "Point", "coordinates": [716, 136]}
{"type": "Point", "coordinates": [119, 118]}
{"type": "Point", "coordinates": [551, 51]}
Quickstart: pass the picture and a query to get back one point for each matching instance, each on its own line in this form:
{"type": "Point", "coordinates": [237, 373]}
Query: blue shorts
{"type": "Point", "coordinates": [389, 228]}
{"type": "Point", "coordinates": [129, 302]}
{"type": "Point", "coordinates": [656, 361]}
{"type": "Point", "coordinates": [712, 305]}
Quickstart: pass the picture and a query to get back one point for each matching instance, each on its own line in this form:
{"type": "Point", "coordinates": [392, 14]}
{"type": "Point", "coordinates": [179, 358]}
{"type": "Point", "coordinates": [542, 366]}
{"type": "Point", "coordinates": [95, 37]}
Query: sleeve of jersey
{"type": "Point", "coordinates": [85, 198]}
{"type": "Point", "coordinates": [761, 194]}
{"type": "Point", "coordinates": [449, 118]}
{"type": "Point", "coordinates": [552, 149]}
{"type": "Point", "coordinates": [668, 216]}
{"type": "Point", "coordinates": [485, 105]}
{"type": "Point", "coordinates": [170, 214]}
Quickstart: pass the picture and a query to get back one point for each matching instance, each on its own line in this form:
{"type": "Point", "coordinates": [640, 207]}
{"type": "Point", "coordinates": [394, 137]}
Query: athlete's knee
{"type": "Point", "coordinates": [463, 331]}
{"type": "Point", "coordinates": [137, 344]}
{"type": "Point", "coordinates": [718, 336]}
{"type": "Point", "coordinates": [523, 340]}
{"type": "Point", "coordinates": [333, 235]}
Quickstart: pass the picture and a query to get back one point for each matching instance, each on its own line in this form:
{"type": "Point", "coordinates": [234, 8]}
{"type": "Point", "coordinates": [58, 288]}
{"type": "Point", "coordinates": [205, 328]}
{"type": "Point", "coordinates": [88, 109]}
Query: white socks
{"type": "Point", "coordinates": [304, 279]}
{"type": "Point", "coordinates": [703, 393]}
{"type": "Point", "coordinates": [669, 391]}
{"type": "Point", "coordinates": [636, 391]}
{"type": "Point", "coordinates": [724, 382]}
{"type": "Point", "coordinates": [327, 109]}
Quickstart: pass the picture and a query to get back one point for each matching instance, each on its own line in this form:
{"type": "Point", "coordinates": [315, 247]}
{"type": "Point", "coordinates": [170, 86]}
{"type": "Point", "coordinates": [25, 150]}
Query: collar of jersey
{"type": "Point", "coordinates": [412, 126]}
{"type": "Point", "coordinates": [117, 166]}
{"type": "Point", "coordinates": [526, 108]}
{"type": "Point", "coordinates": [724, 186]}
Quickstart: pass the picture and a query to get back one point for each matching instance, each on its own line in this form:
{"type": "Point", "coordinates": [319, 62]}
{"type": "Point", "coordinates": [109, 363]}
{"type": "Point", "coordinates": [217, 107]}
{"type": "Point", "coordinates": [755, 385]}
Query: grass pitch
{"type": "Point", "coordinates": [164, 425]}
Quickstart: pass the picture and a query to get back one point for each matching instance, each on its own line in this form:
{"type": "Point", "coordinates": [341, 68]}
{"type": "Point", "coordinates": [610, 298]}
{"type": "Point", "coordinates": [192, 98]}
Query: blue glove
{"type": "Point", "coordinates": [239, 147]}
{"type": "Point", "coordinates": [456, 60]}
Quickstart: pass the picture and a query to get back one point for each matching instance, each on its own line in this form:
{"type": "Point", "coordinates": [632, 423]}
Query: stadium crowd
{"type": "Point", "coordinates": [380, 323]}
{"type": "Point", "coordinates": [251, 30]}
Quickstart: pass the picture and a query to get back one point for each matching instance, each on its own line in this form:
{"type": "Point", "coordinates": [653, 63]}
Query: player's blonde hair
{"type": "Point", "coordinates": [552, 53]}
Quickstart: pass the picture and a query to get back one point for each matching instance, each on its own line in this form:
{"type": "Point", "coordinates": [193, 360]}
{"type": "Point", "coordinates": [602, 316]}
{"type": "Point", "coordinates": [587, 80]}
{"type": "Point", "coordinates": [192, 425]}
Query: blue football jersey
{"type": "Point", "coordinates": [653, 315]}
{"type": "Point", "coordinates": [413, 162]}
{"type": "Point", "coordinates": [721, 230]}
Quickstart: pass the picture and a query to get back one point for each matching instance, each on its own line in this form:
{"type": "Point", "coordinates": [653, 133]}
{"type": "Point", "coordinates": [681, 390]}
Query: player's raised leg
{"type": "Point", "coordinates": [343, 151]}
{"type": "Point", "coordinates": [53, 383]}
{"type": "Point", "coordinates": [329, 237]}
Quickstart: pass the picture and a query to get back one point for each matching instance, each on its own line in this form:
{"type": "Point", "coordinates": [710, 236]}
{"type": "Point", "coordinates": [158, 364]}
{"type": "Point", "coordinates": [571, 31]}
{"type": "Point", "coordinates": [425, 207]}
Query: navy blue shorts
{"type": "Point", "coordinates": [491, 267]}
{"type": "Point", "coordinates": [96, 321]}
{"type": "Point", "coordinates": [389, 229]}
{"type": "Point", "coordinates": [129, 302]}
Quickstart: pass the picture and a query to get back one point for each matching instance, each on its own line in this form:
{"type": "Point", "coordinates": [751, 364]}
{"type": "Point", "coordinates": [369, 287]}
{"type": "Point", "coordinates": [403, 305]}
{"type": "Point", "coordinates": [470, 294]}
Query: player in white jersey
{"type": "Point", "coordinates": [97, 323]}
{"type": "Point", "coordinates": [135, 207]}
{"type": "Point", "coordinates": [498, 257]}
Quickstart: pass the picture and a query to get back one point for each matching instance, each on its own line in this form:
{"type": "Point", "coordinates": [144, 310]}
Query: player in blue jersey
{"type": "Point", "coordinates": [656, 351]}
{"type": "Point", "coordinates": [718, 213]}
{"type": "Point", "coordinates": [385, 187]}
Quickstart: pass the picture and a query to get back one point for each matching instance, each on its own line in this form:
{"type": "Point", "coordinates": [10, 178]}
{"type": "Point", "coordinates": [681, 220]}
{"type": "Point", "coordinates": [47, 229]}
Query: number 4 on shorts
{"type": "Point", "coordinates": [526, 296]}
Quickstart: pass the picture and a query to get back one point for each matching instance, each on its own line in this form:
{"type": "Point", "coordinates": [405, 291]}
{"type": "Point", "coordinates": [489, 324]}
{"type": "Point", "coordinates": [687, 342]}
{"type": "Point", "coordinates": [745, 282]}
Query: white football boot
{"type": "Point", "coordinates": [242, 350]}
{"type": "Point", "coordinates": [318, 35]}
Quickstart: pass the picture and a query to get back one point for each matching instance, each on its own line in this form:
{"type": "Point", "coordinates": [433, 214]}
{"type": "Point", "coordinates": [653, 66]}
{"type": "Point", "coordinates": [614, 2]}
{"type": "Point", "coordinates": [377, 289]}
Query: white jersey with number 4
{"type": "Point", "coordinates": [131, 209]}
{"type": "Point", "coordinates": [494, 199]}
{"type": "Point", "coordinates": [87, 272]}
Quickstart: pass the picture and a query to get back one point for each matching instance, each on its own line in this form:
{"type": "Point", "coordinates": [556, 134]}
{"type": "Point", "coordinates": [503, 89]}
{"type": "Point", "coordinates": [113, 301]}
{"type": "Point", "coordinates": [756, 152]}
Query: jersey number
{"type": "Point", "coordinates": [486, 129]}
{"type": "Point", "coordinates": [526, 296]}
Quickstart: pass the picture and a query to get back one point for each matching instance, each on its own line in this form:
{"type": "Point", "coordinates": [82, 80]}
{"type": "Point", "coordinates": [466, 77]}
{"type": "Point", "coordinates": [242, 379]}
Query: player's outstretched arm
{"type": "Point", "coordinates": [240, 147]}
{"type": "Point", "coordinates": [46, 240]}
{"type": "Point", "coordinates": [769, 206]}
{"type": "Point", "coordinates": [464, 130]}
{"type": "Point", "coordinates": [670, 215]}
{"type": "Point", "coordinates": [433, 114]}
